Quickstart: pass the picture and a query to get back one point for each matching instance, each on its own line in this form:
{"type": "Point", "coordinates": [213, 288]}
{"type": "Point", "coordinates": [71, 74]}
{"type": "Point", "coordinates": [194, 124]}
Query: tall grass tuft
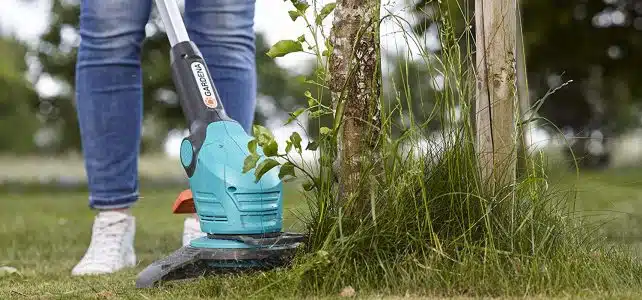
{"type": "Point", "coordinates": [433, 227]}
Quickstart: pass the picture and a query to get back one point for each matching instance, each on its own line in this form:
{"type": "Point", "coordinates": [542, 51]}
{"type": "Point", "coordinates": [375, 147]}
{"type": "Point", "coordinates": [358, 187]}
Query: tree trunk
{"type": "Point", "coordinates": [496, 89]}
{"type": "Point", "coordinates": [355, 80]}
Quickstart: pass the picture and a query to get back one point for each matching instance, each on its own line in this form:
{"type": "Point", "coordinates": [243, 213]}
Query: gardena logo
{"type": "Point", "coordinates": [204, 85]}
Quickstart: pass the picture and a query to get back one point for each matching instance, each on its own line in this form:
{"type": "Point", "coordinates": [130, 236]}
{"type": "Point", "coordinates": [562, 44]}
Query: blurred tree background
{"type": "Point", "coordinates": [55, 56]}
{"type": "Point", "coordinates": [591, 48]}
{"type": "Point", "coordinates": [587, 52]}
{"type": "Point", "coordinates": [18, 100]}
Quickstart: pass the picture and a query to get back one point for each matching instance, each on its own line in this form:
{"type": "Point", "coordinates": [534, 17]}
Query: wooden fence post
{"type": "Point", "coordinates": [497, 98]}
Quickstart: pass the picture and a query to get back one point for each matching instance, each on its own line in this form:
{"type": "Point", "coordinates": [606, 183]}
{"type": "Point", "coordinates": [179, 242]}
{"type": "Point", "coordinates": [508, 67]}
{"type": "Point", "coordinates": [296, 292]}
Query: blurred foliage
{"type": "Point", "coordinates": [18, 100]}
{"type": "Point", "coordinates": [596, 44]}
{"type": "Point", "coordinates": [411, 92]}
{"type": "Point", "coordinates": [586, 51]}
{"type": "Point", "coordinates": [56, 55]}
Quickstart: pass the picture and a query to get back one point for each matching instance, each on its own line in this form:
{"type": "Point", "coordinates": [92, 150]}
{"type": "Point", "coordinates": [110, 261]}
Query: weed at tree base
{"type": "Point", "coordinates": [427, 223]}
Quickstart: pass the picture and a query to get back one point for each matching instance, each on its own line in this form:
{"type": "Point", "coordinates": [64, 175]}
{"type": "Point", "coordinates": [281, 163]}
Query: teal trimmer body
{"type": "Point", "coordinates": [241, 217]}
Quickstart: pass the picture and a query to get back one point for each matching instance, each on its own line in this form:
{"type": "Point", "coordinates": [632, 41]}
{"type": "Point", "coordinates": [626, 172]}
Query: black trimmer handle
{"type": "Point", "coordinates": [198, 96]}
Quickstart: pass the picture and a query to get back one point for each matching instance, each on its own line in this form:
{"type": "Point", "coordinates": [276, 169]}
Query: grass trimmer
{"type": "Point", "coordinates": [241, 217]}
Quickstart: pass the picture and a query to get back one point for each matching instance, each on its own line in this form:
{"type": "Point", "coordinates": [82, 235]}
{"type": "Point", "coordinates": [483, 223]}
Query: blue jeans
{"type": "Point", "coordinates": [109, 82]}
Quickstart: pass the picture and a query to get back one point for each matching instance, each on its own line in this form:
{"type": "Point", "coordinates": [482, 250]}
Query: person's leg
{"type": "Point", "coordinates": [223, 31]}
{"type": "Point", "coordinates": [109, 106]}
{"type": "Point", "coordinates": [109, 97]}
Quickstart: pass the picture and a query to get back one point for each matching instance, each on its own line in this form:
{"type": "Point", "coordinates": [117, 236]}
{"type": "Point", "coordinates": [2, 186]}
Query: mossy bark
{"type": "Point", "coordinates": [355, 81]}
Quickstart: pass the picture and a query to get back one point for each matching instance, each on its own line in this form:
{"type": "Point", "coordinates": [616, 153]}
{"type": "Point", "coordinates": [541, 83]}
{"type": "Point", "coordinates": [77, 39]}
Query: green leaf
{"type": "Point", "coordinates": [308, 185]}
{"type": "Point", "coordinates": [320, 112]}
{"type": "Point", "coordinates": [312, 146]}
{"type": "Point", "coordinates": [284, 47]}
{"type": "Point", "coordinates": [294, 115]}
{"type": "Point", "coordinates": [301, 38]}
{"type": "Point", "coordinates": [262, 134]}
{"type": "Point", "coordinates": [317, 113]}
{"type": "Point", "coordinates": [311, 100]}
{"type": "Point", "coordinates": [257, 130]}
{"type": "Point", "coordinates": [264, 167]}
{"type": "Point", "coordinates": [250, 162]}
{"type": "Point", "coordinates": [251, 145]}
{"type": "Point", "coordinates": [301, 5]}
{"type": "Point", "coordinates": [271, 149]}
{"type": "Point", "coordinates": [288, 147]}
{"type": "Point", "coordinates": [325, 53]}
{"type": "Point", "coordinates": [295, 138]}
{"type": "Point", "coordinates": [325, 130]}
{"type": "Point", "coordinates": [294, 14]}
{"type": "Point", "coordinates": [325, 11]}
{"type": "Point", "coordinates": [286, 169]}
{"type": "Point", "coordinates": [264, 140]}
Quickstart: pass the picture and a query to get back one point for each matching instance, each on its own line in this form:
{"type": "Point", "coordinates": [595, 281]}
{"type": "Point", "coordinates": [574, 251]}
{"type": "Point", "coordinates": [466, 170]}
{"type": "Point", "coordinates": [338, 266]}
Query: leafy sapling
{"type": "Point", "coordinates": [264, 149]}
{"type": "Point", "coordinates": [264, 154]}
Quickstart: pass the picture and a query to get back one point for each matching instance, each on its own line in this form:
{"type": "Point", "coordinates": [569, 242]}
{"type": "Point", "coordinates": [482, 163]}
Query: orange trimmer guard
{"type": "Point", "coordinates": [184, 204]}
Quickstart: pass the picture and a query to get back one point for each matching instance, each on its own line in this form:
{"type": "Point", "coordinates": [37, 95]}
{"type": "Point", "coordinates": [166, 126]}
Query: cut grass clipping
{"type": "Point", "coordinates": [431, 225]}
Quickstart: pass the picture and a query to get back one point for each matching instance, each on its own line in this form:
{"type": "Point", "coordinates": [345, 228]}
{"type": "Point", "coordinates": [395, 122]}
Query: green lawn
{"type": "Point", "coordinates": [43, 234]}
{"type": "Point", "coordinates": [612, 199]}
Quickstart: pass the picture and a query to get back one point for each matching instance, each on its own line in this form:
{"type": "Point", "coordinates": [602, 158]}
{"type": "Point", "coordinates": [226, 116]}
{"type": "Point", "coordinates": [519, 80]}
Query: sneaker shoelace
{"type": "Point", "coordinates": [107, 239]}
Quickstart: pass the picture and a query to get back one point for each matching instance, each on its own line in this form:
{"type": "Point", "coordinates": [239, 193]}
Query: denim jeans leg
{"type": "Point", "coordinates": [109, 97]}
{"type": "Point", "coordinates": [223, 31]}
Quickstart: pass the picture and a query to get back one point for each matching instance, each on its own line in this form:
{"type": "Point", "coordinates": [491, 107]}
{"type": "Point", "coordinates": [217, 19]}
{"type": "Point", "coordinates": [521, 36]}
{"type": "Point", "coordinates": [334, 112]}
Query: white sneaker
{"type": "Point", "coordinates": [191, 230]}
{"type": "Point", "coordinates": [111, 247]}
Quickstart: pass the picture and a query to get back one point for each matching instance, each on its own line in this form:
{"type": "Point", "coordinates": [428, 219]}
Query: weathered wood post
{"type": "Point", "coordinates": [524, 97]}
{"type": "Point", "coordinates": [497, 98]}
